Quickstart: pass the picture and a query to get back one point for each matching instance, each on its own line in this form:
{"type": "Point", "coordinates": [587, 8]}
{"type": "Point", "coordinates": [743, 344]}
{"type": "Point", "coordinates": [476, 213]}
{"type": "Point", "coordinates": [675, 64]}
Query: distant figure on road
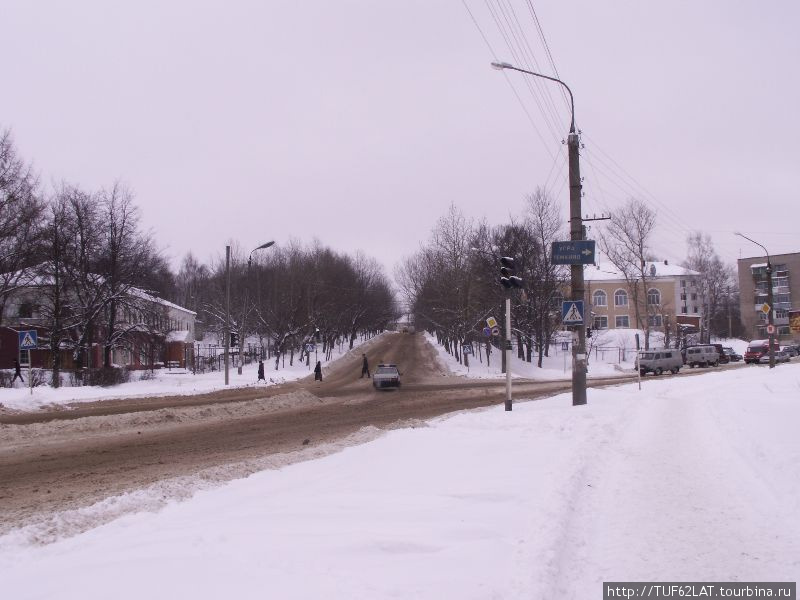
{"type": "Point", "coordinates": [261, 370]}
{"type": "Point", "coordinates": [364, 367]}
{"type": "Point", "coordinates": [18, 372]}
{"type": "Point", "coordinates": [318, 371]}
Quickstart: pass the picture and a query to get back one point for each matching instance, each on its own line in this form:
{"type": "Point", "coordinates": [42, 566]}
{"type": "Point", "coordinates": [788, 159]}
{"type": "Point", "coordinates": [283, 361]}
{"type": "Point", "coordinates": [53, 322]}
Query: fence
{"type": "Point", "coordinates": [201, 358]}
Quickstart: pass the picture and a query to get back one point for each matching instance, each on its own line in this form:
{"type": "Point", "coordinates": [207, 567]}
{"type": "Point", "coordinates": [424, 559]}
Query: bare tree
{"type": "Point", "coordinates": [714, 284]}
{"type": "Point", "coordinates": [625, 242]}
{"type": "Point", "coordinates": [21, 208]}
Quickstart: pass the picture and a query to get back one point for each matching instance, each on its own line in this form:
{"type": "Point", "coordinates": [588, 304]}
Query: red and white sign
{"type": "Point", "coordinates": [770, 329]}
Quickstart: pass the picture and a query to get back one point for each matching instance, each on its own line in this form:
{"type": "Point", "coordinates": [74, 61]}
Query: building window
{"type": "Point", "coordinates": [654, 320]}
{"type": "Point", "coordinates": [694, 309]}
{"type": "Point", "coordinates": [653, 297]}
{"type": "Point", "coordinates": [683, 283]}
{"type": "Point", "coordinates": [622, 321]}
{"type": "Point", "coordinates": [621, 298]}
{"type": "Point", "coordinates": [25, 310]}
{"type": "Point", "coordinates": [694, 296]}
{"type": "Point", "coordinates": [781, 313]}
{"type": "Point", "coordinates": [783, 330]}
{"type": "Point", "coordinates": [599, 298]}
{"type": "Point", "coordinates": [601, 322]}
{"type": "Point", "coordinates": [683, 296]}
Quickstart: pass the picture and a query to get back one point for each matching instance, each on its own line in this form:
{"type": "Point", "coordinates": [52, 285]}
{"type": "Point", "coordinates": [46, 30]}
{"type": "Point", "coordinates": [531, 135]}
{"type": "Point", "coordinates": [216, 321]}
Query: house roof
{"type": "Point", "coordinates": [610, 273]}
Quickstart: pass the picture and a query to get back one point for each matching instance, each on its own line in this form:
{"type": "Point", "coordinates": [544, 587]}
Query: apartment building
{"type": "Point", "coordinates": [785, 294]}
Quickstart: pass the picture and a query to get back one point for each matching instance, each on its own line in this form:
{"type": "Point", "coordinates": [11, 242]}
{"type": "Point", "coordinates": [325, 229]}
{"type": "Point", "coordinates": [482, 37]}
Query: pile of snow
{"type": "Point", "coordinates": [690, 479]}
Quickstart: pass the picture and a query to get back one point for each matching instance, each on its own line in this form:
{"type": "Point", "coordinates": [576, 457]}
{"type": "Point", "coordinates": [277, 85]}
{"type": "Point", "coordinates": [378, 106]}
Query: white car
{"type": "Point", "coordinates": [386, 376]}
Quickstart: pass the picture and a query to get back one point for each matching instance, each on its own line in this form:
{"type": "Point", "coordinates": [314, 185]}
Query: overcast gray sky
{"type": "Point", "coordinates": [359, 122]}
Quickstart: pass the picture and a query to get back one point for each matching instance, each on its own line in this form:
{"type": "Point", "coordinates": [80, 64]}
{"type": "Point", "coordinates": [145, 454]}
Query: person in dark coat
{"type": "Point", "coordinates": [17, 372]}
{"type": "Point", "coordinates": [318, 371]}
{"type": "Point", "coordinates": [261, 370]}
{"type": "Point", "coordinates": [365, 367]}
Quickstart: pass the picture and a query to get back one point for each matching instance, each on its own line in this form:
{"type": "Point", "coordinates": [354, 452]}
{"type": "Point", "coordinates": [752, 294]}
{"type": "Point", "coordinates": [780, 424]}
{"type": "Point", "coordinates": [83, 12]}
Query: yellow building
{"type": "Point", "coordinates": [669, 296]}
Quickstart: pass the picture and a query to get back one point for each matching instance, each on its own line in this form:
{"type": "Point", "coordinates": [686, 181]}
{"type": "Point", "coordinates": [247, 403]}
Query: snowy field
{"type": "Point", "coordinates": [171, 383]}
{"type": "Point", "coordinates": [690, 479]}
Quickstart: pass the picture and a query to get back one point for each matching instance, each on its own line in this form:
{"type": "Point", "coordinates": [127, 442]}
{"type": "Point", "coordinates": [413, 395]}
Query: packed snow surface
{"type": "Point", "coordinates": [689, 479]}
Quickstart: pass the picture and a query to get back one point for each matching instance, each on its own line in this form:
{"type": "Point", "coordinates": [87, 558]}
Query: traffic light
{"type": "Point", "coordinates": [588, 332]}
{"type": "Point", "coordinates": [507, 279]}
{"type": "Point", "coordinates": [234, 339]}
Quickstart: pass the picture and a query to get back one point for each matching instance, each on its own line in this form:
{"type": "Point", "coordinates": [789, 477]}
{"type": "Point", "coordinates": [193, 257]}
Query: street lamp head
{"type": "Point", "coordinates": [501, 65]}
{"type": "Point", "coordinates": [267, 245]}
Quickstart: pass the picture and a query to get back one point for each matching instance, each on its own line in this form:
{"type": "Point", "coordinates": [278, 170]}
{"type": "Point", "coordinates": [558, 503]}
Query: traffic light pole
{"type": "Point", "coordinates": [576, 271]}
{"type": "Point", "coordinates": [227, 309]}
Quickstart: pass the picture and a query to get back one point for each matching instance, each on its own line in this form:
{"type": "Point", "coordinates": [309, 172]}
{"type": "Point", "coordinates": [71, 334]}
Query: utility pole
{"type": "Point", "coordinates": [227, 309]}
{"type": "Point", "coordinates": [576, 234]}
{"type": "Point", "coordinates": [576, 271]}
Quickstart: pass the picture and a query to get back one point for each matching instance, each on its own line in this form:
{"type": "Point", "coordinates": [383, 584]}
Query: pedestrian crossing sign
{"type": "Point", "coordinates": [572, 312]}
{"type": "Point", "coordinates": [27, 339]}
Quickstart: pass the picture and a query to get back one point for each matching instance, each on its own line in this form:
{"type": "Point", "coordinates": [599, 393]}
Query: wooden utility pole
{"type": "Point", "coordinates": [576, 271]}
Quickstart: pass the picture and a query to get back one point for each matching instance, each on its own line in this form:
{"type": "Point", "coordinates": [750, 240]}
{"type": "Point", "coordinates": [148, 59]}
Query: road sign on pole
{"type": "Point", "coordinates": [572, 312]}
{"type": "Point", "coordinates": [27, 339]}
{"type": "Point", "coordinates": [491, 322]}
{"type": "Point", "coordinates": [765, 308]}
{"type": "Point", "coordinates": [487, 331]}
{"type": "Point", "coordinates": [577, 252]}
{"type": "Point", "coordinates": [770, 329]}
{"type": "Point", "coordinates": [495, 331]}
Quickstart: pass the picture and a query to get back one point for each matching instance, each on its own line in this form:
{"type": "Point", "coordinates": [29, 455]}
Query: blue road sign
{"type": "Point", "coordinates": [572, 312]}
{"type": "Point", "coordinates": [27, 339]}
{"type": "Point", "coordinates": [487, 331]}
{"type": "Point", "coordinates": [573, 253]}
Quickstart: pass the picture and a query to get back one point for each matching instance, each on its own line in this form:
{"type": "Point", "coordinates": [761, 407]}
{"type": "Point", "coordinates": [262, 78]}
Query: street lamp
{"type": "Point", "coordinates": [576, 234]}
{"type": "Point", "coordinates": [770, 318]}
{"type": "Point", "coordinates": [228, 307]}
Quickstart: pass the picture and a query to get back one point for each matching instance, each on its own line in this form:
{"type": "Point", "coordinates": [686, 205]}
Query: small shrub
{"type": "Point", "coordinates": [146, 375]}
{"type": "Point", "coordinates": [106, 377]}
{"type": "Point", "coordinates": [6, 379]}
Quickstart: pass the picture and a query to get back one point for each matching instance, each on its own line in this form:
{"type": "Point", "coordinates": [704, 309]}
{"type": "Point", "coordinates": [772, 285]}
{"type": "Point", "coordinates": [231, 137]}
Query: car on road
{"type": "Point", "coordinates": [757, 349]}
{"type": "Point", "coordinates": [658, 361]}
{"type": "Point", "coordinates": [386, 376]}
{"type": "Point", "coordinates": [702, 356]}
{"type": "Point", "coordinates": [780, 356]}
{"type": "Point", "coordinates": [731, 354]}
{"type": "Point", "coordinates": [791, 350]}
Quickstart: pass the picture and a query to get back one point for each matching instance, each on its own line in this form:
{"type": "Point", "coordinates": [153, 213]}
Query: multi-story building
{"type": "Point", "coordinates": [785, 294]}
{"type": "Point", "coordinates": [672, 298]}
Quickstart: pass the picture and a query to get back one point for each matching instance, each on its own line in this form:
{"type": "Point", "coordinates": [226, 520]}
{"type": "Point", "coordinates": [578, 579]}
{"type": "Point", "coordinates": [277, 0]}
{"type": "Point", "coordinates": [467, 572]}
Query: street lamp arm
{"type": "Point", "coordinates": [755, 242]}
{"type": "Point", "coordinates": [504, 65]}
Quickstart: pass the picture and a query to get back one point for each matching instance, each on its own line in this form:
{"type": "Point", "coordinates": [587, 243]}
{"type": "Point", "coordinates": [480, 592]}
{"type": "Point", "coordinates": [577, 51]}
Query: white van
{"type": "Point", "coordinates": [702, 356]}
{"type": "Point", "coordinates": [658, 361]}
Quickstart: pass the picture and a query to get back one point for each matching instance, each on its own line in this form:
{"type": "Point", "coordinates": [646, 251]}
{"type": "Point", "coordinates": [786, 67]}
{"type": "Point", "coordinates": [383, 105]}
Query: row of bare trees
{"type": "Point", "coordinates": [451, 284]}
{"type": "Point", "coordinates": [290, 294]}
{"type": "Point", "coordinates": [70, 260]}
{"type": "Point", "coordinates": [86, 264]}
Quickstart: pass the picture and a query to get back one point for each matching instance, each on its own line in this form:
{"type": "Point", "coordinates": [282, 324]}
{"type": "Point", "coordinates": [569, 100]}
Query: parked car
{"type": "Point", "coordinates": [780, 356]}
{"type": "Point", "coordinates": [731, 354]}
{"type": "Point", "coordinates": [757, 349]}
{"type": "Point", "coordinates": [723, 358]}
{"type": "Point", "coordinates": [791, 350]}
{"type": "Point", "coordinates": [702, 356]}
{"type": "Point", "coordinates": [386, 376]}
{"type": "Point", "coordinates": [658, 361]}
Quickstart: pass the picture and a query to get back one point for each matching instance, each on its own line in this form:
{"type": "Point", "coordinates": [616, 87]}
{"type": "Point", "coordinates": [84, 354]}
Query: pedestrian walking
{"type": "Point", "coordinates": [17, 372]}
{"type": "Point", "coordinates": [318, 371]}
{"type": "Point", "coordinates": [261, 370]}
{"type": "Point", "coordinates": [364, 367]}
